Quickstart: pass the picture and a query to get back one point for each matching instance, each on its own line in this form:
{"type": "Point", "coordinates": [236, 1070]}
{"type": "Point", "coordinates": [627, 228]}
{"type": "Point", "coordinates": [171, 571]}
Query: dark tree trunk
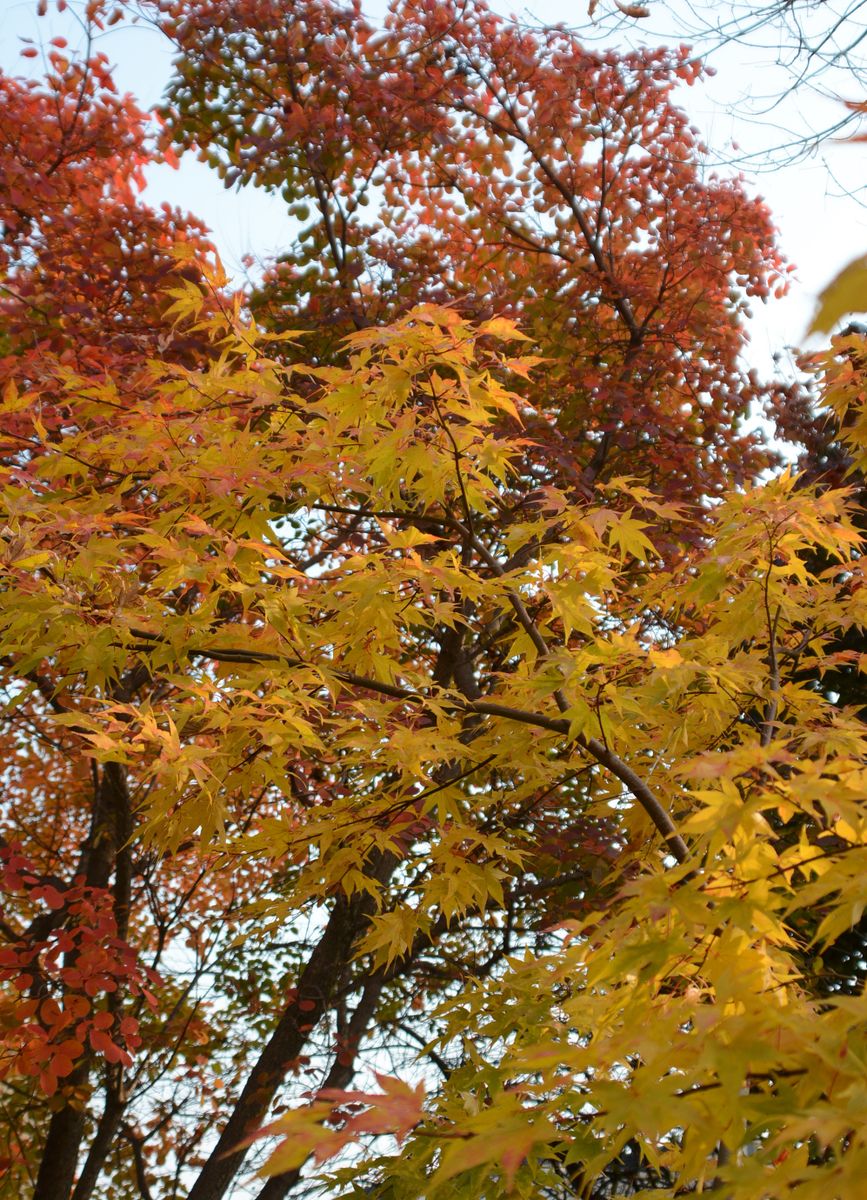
{"type": "Point", "coordinates": [290, 1035]}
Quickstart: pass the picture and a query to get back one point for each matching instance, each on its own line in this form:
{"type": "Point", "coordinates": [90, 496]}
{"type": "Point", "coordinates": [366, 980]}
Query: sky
{"type": "Point", "coordinates": [819, 201]}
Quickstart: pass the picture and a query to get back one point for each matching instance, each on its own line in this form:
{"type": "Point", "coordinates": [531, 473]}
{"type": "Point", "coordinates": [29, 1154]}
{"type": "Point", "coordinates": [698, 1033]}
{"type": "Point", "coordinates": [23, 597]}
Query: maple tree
{"type": "Point", "coordinates": [508, 171]}
{"type": "Point", "coordinates": [404, 675]}
{"type": "Point", "coordinates": [84, 260]}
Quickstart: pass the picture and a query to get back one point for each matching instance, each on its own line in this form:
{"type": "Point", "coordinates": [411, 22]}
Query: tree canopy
{"type": "Point", "coordinates": [425, 765]}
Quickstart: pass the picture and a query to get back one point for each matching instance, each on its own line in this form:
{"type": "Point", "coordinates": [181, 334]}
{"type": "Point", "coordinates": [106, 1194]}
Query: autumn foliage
{"type": "Point", "coordinates": [421, 776]}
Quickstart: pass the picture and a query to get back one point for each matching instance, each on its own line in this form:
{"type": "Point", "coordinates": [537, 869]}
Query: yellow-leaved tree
{"type": "Point", "coordinates": [334, 659]}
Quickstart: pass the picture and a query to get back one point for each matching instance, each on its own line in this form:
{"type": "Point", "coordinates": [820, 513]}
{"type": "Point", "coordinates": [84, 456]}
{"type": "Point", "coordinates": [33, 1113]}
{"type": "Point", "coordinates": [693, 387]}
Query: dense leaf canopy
{"type": "Point", "coordinates": [425, 765]}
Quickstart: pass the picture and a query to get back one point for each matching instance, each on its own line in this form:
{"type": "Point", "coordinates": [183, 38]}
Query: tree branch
{"type": "Point", "coordinates": [603, 755]}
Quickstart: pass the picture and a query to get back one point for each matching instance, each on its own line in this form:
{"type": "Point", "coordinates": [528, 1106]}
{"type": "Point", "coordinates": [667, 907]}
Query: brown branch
{"type": "Point", "coordinates": [136, 1141]}
{"type": "Point", "coordinates": [101, 1143]}
{"type": "Point", "coordinates": [303, 1012]}
{"type": "Point", "coordinates": [341, 1073]}
{"type": "Point", "coordinates": [603, 755]}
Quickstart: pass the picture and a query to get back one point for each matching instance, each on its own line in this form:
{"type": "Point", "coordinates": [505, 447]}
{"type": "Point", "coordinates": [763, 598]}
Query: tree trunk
{"type": "Point", "coordinates": [342, 1070]}
{"type": "Point", "coordinates": [109, 822]}
{"type": "Point", "coordinates": [60, 1155]}
{"type": "Point", "coordinates": [312, 996]}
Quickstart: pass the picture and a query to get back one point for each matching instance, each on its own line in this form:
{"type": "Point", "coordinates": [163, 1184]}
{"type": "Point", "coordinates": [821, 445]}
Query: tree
{"type": "Point", "coordinates": [509, 171]}
{"type": "Point", "coordinates": [84, 261]}
{"type": "Point", "coordinates": [406, 674]}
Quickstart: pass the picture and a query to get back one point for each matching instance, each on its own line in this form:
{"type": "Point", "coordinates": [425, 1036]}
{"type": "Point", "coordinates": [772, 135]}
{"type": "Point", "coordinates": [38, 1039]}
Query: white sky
{"type": "Point", "coordinates": [815, 202]}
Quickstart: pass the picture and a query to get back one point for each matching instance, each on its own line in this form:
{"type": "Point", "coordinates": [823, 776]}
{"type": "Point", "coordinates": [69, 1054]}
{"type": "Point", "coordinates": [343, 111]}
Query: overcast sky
{"type": "Point", "coordinates": [819, 202]}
